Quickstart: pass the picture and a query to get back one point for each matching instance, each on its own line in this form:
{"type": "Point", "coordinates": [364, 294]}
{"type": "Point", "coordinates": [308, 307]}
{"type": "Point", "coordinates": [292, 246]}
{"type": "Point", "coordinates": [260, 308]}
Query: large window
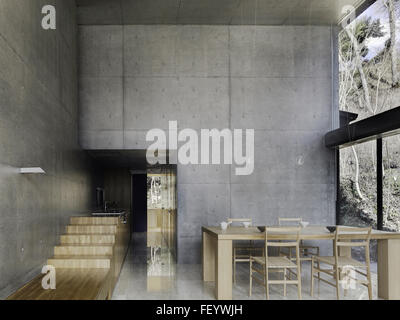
{"type": "Point", "coordinates": [369, 83]}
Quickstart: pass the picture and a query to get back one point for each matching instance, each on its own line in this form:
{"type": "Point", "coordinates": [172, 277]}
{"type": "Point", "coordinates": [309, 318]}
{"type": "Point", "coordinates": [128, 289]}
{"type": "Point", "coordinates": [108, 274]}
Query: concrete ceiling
{"type": "Point", "coordinates": [218, 12]}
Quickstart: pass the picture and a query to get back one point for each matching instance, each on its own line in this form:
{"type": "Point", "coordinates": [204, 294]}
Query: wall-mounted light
{"type": "Point", "coordinates": [31, 170]}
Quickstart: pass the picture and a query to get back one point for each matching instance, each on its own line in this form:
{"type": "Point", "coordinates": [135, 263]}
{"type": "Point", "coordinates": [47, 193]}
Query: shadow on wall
{"type": "Point", "coordinates": [7, 171]}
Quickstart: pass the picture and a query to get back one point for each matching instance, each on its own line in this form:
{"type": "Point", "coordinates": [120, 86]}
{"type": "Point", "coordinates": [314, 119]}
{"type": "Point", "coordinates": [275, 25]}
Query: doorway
{"type": "Point", "coordinates": [139, 202]}
{"type": "Point", "coordinates": [161, 228]}
{"type": "Point", "coordinates": [162, 208]}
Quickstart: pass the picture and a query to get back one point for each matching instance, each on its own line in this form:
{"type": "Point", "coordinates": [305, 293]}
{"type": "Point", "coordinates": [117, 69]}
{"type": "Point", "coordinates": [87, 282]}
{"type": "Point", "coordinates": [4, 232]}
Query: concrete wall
{"type": "Point", "coordinates": [38, 127]}
{"type": "Point", "coordinates": [276, 80]}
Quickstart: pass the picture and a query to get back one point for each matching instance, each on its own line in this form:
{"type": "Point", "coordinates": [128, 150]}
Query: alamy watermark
{"type": "Point", "coordinates": [49, 21]}
{"type": "Point", "coordinates": [49, 280]}
{"type": "Point", "coordinates": [348, 278]}
{"type": "Point", "coordinates": [195, 150]}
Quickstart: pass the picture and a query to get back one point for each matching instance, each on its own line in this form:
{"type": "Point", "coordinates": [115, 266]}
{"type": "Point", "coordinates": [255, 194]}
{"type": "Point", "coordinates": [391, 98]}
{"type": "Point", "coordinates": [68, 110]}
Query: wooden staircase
{"type": "Point", "coordinates": [88, 243]}
{"type": "Point", "coordinates": [91, 246]}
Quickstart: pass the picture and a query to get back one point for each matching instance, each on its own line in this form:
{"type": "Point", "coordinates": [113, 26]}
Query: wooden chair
{"type": "Point", "coordinates": [242, 250]}
{"type": "Point", "coordinates": [232, 220]}
{"type": "Point", "coordinates": [345, 237]}
{"type": "Point", "coordinates": [277, 264]}
{"type": "Point", "coordinates": [306, 251]}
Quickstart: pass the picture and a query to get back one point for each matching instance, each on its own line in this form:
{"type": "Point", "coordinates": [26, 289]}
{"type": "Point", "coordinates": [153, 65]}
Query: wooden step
{"type": "Point", "coordinates": [90, 229]}
{"type": "Point", "coordinates": [79, 249]}
{"type": "Point", "coordinates": [72, 261]}
{"type": "Point", "coordinates": [94, 220]}
{"type": "Point", "coordinates": [107, 239]}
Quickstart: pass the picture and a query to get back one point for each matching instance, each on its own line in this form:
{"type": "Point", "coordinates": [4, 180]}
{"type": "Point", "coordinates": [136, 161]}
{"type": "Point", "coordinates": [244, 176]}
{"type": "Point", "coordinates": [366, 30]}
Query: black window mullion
{"type": "Point", "coordinates": [379, 184]}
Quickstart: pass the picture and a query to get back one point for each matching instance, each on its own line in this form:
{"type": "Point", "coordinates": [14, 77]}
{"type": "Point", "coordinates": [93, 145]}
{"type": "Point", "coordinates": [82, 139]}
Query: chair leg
{"type": "Point", "coordinates": [234, 265]}
{"type": "Point", "coordinates": [299, 288]}
{"type": "Point", "coordinates": [265, 270]}
{"type": "Point", "coordinates": [337, 277]}
{"type": "Point", "coordinates": [369, 283]}
{"type": "Point", "coordinates": [319, 267]}
{"type": "Point", "coordinates": [312, 277]}
{"type": "Point", "coordinates": [284, 281]}
{"type": "Point", "coordinates": [266, 282]}
{"type": "Point", "coordinates": [368, 261]}
{"type": "Point", "coordinates": [370, 291]}
{"type": "Point", "coordinates": [300, 267]}
{"type": "Point", "coordinates": [299, 279]}
{"type": "Point", "coordinates": [251, 277]}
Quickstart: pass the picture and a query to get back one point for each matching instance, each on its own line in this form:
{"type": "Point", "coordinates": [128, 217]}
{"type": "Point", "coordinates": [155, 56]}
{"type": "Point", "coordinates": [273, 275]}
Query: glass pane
{"type": "Point", "coordinates": [357, 201]}
{"type": "Point", "coordinates": [369, 69]}
{"type": "Point", "coordinates": [391, 183]}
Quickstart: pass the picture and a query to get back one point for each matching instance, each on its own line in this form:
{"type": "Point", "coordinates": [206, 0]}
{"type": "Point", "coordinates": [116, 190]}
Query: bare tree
{"type": "Point", "coordinates": [358, 63]}
{"type": "Point", "coordinates": [356, 182]}
{"type": "Point", "coordinates": [361, 81]}
{"type": "Point", "coordinates": [393, 38]}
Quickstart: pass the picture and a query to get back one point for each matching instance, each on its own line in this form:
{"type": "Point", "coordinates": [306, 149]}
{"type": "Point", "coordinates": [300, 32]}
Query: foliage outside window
{"type": "Point", "coordinates": [369, 83]}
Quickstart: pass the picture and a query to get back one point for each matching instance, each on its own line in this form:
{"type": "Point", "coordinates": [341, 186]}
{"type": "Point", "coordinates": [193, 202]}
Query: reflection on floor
{"type": "Point", "coordinates": [152, 275]}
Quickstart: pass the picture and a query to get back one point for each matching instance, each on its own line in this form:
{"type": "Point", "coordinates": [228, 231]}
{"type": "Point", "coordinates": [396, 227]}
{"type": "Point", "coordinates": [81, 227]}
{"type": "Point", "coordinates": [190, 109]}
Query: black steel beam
{"type": "Point", "coordinates": [379, 126]}
{"type": "Point", "coordinates": [379, 185]}
{"type": "Point", "coordinates": [338, 200]}
{"type": "Point", "coordinates": [347, 117]}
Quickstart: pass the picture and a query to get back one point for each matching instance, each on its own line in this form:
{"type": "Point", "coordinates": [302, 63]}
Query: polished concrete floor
{"type": "Point", "coordinates": [151, 274]}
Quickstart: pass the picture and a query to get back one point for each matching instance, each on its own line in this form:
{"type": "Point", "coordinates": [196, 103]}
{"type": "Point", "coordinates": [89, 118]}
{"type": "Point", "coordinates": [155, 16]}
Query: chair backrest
{"type": "Point", "coordinates": [232, 220]}
{"type": "Point", "coordinates": [352, 236]}
{"type": "Point", "coordinates": [289, 236]}
{"type": "Point", "coordinates": [289, 221]}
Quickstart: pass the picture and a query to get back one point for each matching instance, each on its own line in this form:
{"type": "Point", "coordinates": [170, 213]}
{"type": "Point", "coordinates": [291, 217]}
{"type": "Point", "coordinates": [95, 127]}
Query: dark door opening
{"type": "Point", "coordinates": [139, 203]}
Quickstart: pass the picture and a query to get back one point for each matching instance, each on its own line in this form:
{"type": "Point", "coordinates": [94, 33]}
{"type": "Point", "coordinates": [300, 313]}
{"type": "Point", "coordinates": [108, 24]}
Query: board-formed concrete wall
{"type": "Point", "coordinates": [277, 80]}
{"type": "Point", "coordinates": [38, 127]}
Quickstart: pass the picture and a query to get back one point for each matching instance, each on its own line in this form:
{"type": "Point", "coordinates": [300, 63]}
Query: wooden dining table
{"type": "Point", "coordinates": [217, 255]}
